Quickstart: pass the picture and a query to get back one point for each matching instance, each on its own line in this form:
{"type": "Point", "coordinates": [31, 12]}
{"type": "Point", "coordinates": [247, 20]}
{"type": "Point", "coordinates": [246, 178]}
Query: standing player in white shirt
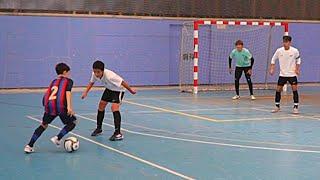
{"type": "Point", "coordinates": [289, 61]}
{"type": "Point", "coordinates": [115, 87]}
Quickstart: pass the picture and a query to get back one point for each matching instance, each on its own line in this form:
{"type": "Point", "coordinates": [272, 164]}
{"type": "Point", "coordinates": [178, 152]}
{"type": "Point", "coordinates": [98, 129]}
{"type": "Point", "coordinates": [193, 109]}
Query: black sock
{"type": "Point", "coordinates": [278, 98]}
{"type": "Point", "coordinates": [237, 84]}
{"type": "Point", "coordinates": [296, 99]}
{"type": "Point", "coordinates": [67, 128]}
{"type": "Point", "coordinates": [37, 133]}
{"type": "Point", "coordinates": [100, 118]}
{"type": "Point", "coordinates": [117, 121]}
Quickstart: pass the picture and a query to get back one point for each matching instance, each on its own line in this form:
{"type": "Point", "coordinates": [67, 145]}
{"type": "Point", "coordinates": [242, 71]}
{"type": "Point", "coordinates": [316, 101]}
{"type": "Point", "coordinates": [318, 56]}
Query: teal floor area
{"type": "Point", "coordinates": [169, 135]}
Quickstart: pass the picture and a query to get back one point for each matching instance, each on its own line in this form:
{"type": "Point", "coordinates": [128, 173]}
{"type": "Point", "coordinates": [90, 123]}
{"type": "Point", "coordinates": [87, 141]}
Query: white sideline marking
{"type": "Point", "coordinates": [172, 111]}
{"type": "Point", "coordinates": [122, 153]}
{"type": "Point", "coordinates": [208, 142]}
{"type": "Point", "coordinates": [224, 139]}
{"type": "Point", "coordinates": [203, 117]}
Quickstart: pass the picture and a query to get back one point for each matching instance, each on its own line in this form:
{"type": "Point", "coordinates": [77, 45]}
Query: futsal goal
{"type": "Point", "coordinates": [206, 45]}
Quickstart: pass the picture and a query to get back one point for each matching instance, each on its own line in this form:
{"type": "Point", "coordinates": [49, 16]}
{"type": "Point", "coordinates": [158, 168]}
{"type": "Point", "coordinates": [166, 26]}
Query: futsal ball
{"type": "Point", "coordinates": [71, 144]}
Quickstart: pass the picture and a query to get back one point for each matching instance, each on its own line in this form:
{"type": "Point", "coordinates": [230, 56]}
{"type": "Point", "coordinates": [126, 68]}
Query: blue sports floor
{"type": "Point", "coordinates": [169, 135]}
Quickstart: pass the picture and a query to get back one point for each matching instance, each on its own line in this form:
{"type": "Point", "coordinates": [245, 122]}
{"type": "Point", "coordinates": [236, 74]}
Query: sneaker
{"type": "Point", "coordinates": [55, 141]}
{"type": "Point", "coordinates": [295, 111]}
{"type": "Point", "coordinates": [235, 97]}
{"type": "Point", "coordinates": [252, 97]}
{"type": "Point", "coordinates": [28, 149]}
{"type": "Point", "coordinates": [275, 110]}
{"type": "Point", "coordinates": [116, 137]}
{"type": "Point", "coordinates": [96, 132]}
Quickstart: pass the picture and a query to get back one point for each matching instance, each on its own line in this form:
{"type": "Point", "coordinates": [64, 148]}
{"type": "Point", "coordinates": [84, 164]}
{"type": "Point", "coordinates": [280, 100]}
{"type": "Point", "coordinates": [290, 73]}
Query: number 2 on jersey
{"type": "Point", "coordinates": [53, 94]}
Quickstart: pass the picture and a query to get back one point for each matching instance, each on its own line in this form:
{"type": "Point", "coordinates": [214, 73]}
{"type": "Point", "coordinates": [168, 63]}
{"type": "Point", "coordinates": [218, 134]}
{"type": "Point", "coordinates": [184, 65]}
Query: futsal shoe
{"type": "Point", "coordinates": [275, 110]}
{"type": "Point", "coordinates": [252, 97]}
{"type": "Point", "coordinates": [295, 111]}
{"type": "Point", "coordinates": [96, 132]}
{"type": "Point", "coordinates": [28, 149]}
{"type": "Point", "coordinates": [235, 97]}
{"type": "Point", "coordinates": [116, 137]}
{"type": "Point", "coordinates": [55, 141]}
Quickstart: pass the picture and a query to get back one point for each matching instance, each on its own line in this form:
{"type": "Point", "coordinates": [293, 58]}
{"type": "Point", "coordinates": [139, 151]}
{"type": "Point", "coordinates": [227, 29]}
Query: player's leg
{"type": "Point", "coordinates": [101, 111]}
{"type": "Point", "coordinates": [248, 78]}
{"type": "Point", "coordinates": [115, 108]}
{"type": "Point", "coordinates": [47, 119]}
{"type": "Point", "coordinates": [281, 82]}
{"type": "Point", "coordinates": [237, 76]}
{"type": "Point", "coordinates": [70, 124]}
{"type": "Point", "coordinates": [294, 85]}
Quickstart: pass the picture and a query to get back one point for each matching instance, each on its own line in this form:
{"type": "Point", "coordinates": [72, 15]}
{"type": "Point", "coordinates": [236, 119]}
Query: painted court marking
{"type": "Point", "coordinates": [208, 142]}
{"type": "Point", "coordinates": [207, 118]}
{"type": "Point", "coordinates": [172, 111]}
{"type": "Point", "coordinates": [122, 153]}
{"type": "Point", "coordinates": [224, 139]}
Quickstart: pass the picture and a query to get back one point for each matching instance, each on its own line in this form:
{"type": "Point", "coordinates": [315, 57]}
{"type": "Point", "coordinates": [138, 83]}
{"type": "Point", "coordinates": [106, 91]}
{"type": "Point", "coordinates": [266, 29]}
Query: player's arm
{"type": "Point", "coordinates": [273, 61]}
{"type": "Point", "coordinates": [251, 65]}
{"type": "Point", "coordinates": [127, 86]}
{"type": "Point", "coordinates": [69, 98]}
{"type": "Point", "coordinates": [230, 62]}
{"type": "Point", "coordinates": [88, 88]}
{"type": "Point", "coordinates": [252, 62]}
{"type": "Point", "coordinates": [298, 62]}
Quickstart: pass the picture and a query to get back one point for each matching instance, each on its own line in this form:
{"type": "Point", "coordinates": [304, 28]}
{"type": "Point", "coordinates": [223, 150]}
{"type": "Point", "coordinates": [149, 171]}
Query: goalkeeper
{"type": "Point", "coordinates": [244, 63]}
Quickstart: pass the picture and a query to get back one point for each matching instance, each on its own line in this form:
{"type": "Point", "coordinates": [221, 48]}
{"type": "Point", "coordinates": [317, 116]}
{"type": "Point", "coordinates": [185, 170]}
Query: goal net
{"type": "Point", "coordinates": [206, 45]}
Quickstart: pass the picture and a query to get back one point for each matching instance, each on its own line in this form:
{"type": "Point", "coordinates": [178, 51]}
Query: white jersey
{"type": "Point", "coordinates": [110, 80]}
{"type": "Point", "coordinates": [288, 59]}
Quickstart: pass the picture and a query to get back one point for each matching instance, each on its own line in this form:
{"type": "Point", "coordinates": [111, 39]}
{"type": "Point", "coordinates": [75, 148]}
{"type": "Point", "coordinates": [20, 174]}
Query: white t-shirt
{"type": "Point", "coordinates": [110, 80]}
{"type": "Point", "coordinates": [287, 61]}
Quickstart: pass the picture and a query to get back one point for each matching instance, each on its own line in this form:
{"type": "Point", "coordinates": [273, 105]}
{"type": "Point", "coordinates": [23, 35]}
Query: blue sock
{"type": "Point", "coordinates": [37, 133]}
{"type": "Point", "coordinates": [67, 128]}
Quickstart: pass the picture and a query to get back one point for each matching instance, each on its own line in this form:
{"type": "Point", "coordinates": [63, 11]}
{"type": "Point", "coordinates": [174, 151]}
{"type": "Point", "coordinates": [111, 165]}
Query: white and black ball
{"type": "Point", "coordinates": [71, 144]}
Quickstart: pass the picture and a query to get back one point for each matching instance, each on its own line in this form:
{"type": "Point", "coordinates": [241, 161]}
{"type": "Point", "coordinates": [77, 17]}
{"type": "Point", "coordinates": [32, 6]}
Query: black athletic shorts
{"type": "Point", "coordinates": [65, 118]}
{"type": "Point", "coordinates": [112, 96]}
{"type": "Point", "coordinates": [283, 80]}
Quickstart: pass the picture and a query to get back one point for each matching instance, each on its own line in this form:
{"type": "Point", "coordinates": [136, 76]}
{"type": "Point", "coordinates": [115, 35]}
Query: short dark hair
{"type": "Point", "coordinates": [98, 65]}
{"type": "Point", "coordinates": [287, 38]}
{"type": "Point", "coordinates": [61, 67]}
{"type": "Point", "coordinates": [239, 42]}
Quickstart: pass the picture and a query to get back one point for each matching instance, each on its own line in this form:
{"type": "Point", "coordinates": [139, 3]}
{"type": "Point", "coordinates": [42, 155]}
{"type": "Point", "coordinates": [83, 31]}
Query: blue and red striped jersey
{"type": "Point", "coordinates": [54, 100]}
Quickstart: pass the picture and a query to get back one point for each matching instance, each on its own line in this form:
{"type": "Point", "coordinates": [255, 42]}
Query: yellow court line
{"type": "Point", "coordinates": [172, 111]}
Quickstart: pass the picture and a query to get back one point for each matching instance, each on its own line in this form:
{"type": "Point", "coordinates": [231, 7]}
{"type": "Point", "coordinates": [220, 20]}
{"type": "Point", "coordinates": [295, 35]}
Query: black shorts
{"type": "Point", "coordinates": [112, 96]}
{"type": "Point", "coordinates": [283, 80]}
{"type": "Point", "coordinates": [65, 118]}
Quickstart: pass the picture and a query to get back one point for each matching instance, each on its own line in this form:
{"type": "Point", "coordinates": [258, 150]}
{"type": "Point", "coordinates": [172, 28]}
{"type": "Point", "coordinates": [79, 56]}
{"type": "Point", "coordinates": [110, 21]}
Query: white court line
{"type": "Point", "coordinates": [203, 117]}
{"type": "Point", "coordinates": [224, 139]}
{"type": "Point", "coordinates": [172, 111]}
{"type": "Point", "coordinates": [259, 119]}
{"type": "Point", "coordinates": [123, 153]}
{"type": "Point", "coordinates": [208, 142]}
{"type": "Point", "coordinates": [179, 110]}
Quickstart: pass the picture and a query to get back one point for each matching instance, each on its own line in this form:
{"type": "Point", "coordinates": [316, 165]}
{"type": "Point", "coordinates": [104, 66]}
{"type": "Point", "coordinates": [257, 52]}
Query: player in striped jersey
{"type": "Point", "coordinates": [56, 102]}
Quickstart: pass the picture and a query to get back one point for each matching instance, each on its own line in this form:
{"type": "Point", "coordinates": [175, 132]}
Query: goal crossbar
{"type": "Point", "coordinates": [198, 23]}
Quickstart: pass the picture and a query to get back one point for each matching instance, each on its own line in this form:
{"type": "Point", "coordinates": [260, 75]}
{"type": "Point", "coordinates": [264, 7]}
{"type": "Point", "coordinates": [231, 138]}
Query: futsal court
{"type": "Point", "coordinates": [169, 135]}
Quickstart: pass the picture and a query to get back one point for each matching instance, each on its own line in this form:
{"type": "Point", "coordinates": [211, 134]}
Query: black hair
{"type": "Point", "coordinates": [98, 65]}
{"type": "Point", "coordinates": [238, 42]}
{"type": "Point", "coordinates": [61, 67]}
{"type": "Point", "coordinates": [287, 38]}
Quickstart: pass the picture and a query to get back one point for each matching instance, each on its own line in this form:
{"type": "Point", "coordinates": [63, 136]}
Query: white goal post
{"type": "Point", "coordinates": [218, 39]}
